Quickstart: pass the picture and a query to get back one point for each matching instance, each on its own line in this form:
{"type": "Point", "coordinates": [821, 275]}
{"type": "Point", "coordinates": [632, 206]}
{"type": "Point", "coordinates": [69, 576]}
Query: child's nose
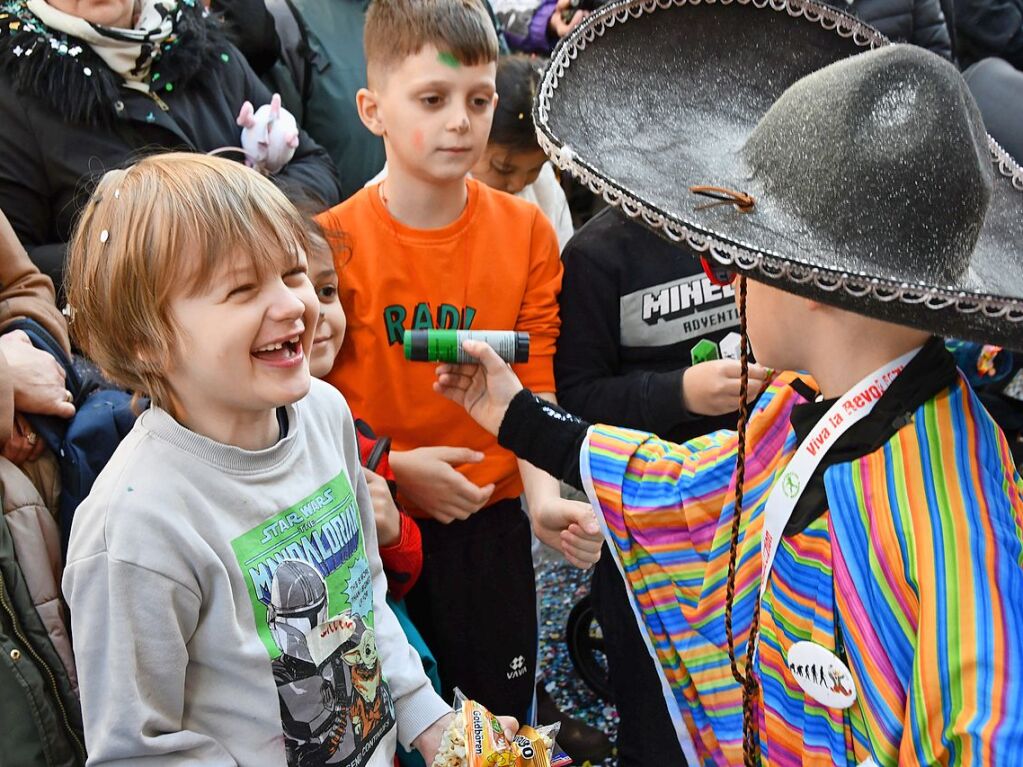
{"type": "Point", "coordinates": [286, 304]}
{"type": "Point", "coordinates": [517, 183]}
{"type": "Point", "coordinates": [459, 120]}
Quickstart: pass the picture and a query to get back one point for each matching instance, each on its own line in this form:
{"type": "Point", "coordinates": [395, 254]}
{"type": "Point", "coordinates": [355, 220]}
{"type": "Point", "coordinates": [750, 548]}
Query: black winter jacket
{"type": "Point", "coordinates": [990, 28]}
{"type": "Point", "coordinates": [68, 119]}
{"type": "Point", "coordinates": [250, 26]}
{"type": "Point", "coordinates": [998, 88]}
{"type": "Point", "coordinates": [920, 22]}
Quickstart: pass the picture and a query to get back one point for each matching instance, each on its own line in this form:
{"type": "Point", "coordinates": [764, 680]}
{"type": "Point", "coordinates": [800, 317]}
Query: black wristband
{"type": "Point", "coordinates": [543, 434]}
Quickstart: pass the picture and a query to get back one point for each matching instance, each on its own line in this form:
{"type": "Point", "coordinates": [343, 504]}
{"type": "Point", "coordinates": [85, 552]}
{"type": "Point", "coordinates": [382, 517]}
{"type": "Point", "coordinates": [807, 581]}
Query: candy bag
{"type": "Point", "coordinates": [475, 738]}
{"type": "Point", "coordinates": [534, 746]}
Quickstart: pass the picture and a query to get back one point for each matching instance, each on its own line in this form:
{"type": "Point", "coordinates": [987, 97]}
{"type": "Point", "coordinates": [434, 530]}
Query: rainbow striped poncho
{"type": "Point", "coordinates": [917, 565]}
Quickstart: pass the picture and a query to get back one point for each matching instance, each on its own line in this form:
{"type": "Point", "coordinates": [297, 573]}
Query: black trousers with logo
{"type": "Point", "coordinates": [475, 605]}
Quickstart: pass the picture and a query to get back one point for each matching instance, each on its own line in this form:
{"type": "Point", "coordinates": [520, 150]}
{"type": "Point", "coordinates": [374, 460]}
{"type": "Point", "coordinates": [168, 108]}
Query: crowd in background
{"type": "Point", "coordinates": [77, 101]}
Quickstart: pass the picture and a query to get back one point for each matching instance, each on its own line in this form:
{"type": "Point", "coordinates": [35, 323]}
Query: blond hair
{"type": "Point", "coordinates": [163, 228]}
{"type": "Point", "coordinates": [397, 29]}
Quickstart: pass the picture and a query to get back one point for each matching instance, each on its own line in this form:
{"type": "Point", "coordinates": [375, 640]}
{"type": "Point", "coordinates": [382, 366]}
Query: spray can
{"type": "Point", "coordinates": [446, 345]}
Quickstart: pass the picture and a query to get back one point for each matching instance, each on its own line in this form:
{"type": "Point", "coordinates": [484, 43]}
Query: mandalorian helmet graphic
{"type": "Point", "coordinates": [298, 601]}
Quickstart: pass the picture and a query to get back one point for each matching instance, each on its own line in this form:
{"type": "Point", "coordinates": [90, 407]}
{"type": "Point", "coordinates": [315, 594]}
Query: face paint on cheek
{"type": "Point", "coordinates": [448, 59]}
{"type": "Point", "coordinates": [418, 142]}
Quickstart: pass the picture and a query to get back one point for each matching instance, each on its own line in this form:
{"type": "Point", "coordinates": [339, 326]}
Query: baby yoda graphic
{"type": "Point", "coordinates": [371, 705]}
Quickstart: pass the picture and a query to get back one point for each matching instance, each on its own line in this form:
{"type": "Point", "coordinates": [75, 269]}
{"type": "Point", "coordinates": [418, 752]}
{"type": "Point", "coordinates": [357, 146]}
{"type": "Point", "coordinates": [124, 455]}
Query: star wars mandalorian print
{"type": "Point", "coordinates": [312, 594]}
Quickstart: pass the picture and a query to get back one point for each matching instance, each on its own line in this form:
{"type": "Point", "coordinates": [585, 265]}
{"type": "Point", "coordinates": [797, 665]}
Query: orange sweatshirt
{"type": "Point", "coordinates": [494, 268]}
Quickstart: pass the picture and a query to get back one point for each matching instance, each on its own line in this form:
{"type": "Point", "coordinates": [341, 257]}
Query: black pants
{"type": "Point", "coordinates": [475, 605]}
{"type": "Point", "coordinates": [645, 733]}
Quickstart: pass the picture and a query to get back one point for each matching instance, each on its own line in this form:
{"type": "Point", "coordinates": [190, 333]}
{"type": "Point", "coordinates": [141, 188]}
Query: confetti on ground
{"type": "Point", "coordinates": [561, 586]}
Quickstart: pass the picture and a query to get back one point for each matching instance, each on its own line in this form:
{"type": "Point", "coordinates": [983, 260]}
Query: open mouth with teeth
{"type": "Point", "coordinates": [281, 351]}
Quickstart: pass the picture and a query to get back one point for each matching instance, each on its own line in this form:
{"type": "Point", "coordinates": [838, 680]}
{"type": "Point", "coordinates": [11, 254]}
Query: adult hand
{"type": "Point", "coordinates": [558, 26]}
{"type": "Point", "coordinates": [484, 390]}
{"type": "Point", "coordinates": [571, 528]}
{"type": "Point", "coordinates": [385, 512]}
{"type": "Point", "coordinates": [37, 378]}
{"type": "Point", "coordinates": [429, 741]}
{"type": "Point", "coordinates": [24, 444]}
{"type": "Point", "coordinates": [712, 388]}
{"type": "Point", "coordinates": [427, 478]}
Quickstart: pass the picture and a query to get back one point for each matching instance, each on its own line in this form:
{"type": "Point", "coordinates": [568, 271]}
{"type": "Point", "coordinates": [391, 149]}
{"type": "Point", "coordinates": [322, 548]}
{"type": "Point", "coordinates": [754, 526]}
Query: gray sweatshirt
{"type": "Point", "coordinates": [228, 605]}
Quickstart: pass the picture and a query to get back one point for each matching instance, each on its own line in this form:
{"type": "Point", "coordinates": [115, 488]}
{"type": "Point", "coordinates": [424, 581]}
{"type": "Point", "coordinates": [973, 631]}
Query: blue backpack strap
{"type": "Point", "coordinates": [51, 428]}
{"type": "Point", "coordinates": [84, 443]}
{"type": "Point", "coordinates": [102, 421]}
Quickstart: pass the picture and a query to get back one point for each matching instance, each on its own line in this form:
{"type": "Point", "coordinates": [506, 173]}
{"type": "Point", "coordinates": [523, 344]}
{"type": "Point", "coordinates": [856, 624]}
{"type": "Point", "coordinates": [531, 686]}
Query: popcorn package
{"type": "Point", "coordinates": [475, 738]}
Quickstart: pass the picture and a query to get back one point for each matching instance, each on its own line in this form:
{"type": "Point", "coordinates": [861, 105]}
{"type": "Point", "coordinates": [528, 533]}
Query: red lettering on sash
{"type": "Point", "coordinates": [818, 440]}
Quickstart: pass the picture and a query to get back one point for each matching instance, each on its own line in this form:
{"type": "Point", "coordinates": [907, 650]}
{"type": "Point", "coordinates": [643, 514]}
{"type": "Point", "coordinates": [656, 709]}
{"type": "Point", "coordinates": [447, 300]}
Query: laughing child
{"type": "Point", "coordinates": [223, 575]}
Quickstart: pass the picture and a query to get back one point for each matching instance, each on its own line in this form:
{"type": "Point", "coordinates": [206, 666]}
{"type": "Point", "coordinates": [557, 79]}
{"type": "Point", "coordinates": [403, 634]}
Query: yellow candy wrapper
{"type": "Point", "coordinates": [475, 738]}
{"type": "Point", "coordinates": [534, 747]}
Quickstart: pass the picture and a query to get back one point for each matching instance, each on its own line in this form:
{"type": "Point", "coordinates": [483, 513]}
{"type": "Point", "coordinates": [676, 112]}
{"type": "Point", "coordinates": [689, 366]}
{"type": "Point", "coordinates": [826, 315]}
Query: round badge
{"type": "Point", "coordinates": [821, 674]}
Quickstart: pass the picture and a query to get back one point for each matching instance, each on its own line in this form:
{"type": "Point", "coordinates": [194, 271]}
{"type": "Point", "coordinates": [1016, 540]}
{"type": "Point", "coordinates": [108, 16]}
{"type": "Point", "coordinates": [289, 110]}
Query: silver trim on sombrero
{"type": "Point", "coordinates": [772, 265]}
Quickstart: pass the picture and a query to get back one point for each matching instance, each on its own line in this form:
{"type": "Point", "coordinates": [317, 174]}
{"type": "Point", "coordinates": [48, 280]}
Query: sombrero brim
{"type": "Point", "coordinates": [649, 97]}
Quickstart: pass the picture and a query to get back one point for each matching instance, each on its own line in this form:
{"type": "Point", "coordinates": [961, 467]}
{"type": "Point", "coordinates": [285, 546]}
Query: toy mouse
{"type": "Point", "coordinates": [269, 135]}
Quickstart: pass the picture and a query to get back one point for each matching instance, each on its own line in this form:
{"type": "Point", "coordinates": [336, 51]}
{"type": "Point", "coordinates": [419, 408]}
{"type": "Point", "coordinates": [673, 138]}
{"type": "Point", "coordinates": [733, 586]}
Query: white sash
{"type": "Point", "coordinates": [848, 410]}
{"type": "Point", "coordinates": [854, 405]}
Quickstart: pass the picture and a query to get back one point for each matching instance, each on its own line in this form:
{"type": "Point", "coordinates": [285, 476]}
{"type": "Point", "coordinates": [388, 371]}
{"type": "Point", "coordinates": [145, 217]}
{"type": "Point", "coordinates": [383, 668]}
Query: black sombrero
{"type": "Point", "coordinates": [871, 184]}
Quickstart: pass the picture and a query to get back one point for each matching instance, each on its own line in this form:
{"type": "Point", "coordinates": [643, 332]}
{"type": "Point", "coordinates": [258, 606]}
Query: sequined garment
{"type": "Point", "coordinates": [920, 554]}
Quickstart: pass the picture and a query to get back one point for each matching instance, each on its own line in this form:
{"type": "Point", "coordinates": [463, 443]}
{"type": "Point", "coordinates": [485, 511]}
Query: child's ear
{"type": "Point", "coordinates": [369, 111]}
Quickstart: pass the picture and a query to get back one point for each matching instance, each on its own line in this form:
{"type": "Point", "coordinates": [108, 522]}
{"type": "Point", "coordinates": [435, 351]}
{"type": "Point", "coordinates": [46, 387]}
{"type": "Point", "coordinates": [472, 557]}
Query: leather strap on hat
{"type": "Point", "coordinates": [744, 202]}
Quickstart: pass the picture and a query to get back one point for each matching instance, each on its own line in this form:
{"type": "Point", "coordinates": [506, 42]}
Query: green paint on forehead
{"type": "Point", "coordinates": [447, 58]}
